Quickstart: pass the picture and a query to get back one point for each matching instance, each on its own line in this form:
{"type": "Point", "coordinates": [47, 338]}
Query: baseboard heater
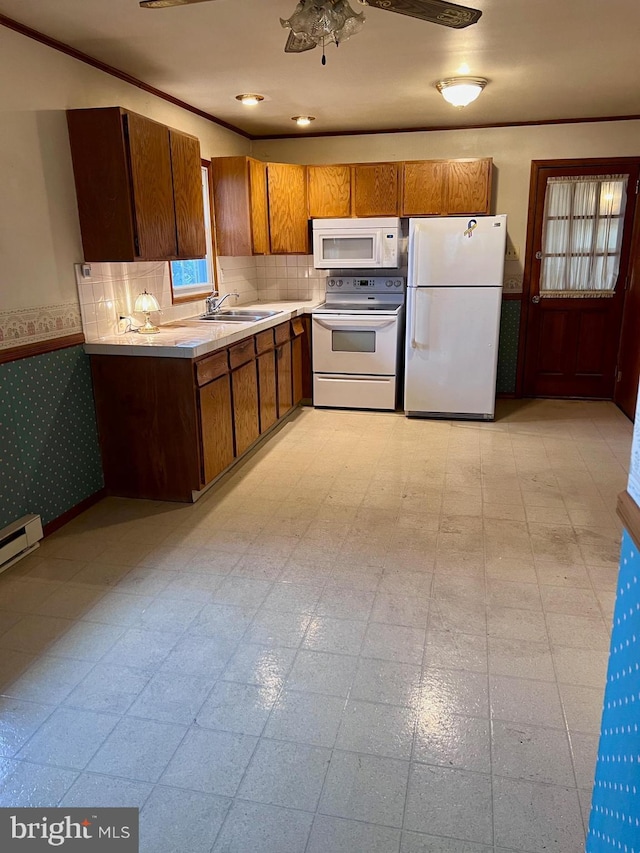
{"type": "Point", "coordinates": [18, 539]}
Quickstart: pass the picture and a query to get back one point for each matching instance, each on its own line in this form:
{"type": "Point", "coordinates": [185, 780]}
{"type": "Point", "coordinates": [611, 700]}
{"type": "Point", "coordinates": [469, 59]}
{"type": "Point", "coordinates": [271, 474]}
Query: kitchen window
{"type": "Point", "coordinates": [195, 279]}
{"type": "Point", "coordinates": [582, 235]}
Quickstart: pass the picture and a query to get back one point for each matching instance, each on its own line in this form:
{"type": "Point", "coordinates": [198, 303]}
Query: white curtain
{"type": "Point", "coordinates": [582, 235]}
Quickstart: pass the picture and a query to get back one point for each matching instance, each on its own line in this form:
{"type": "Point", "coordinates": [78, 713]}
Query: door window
{"type": "Point", "coordinates": [582, 235]}
{"type": "Point", "coordinates": [347, 248]}
{"type": "Point", "coordinates": [353, 340]}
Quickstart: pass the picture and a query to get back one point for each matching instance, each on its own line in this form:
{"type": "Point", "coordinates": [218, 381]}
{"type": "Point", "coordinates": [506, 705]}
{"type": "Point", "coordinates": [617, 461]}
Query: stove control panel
{"type": "Point", "coordinates": [377, 284]}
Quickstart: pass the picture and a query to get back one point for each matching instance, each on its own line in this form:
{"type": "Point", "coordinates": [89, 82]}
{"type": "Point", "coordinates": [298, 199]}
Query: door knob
{"type": "Point", "coordinates": [535, 299]}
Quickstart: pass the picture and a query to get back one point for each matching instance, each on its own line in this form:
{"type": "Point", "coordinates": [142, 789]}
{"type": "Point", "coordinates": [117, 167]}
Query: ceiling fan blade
{"type": "Point", "coordinates": [298, 44]}
{"type": "Point", "coordinates": [161, 4]}
{"type": "Point", "coordinates": [434, 11]}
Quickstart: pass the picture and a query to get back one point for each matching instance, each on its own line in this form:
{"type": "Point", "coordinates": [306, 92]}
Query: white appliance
{"type": "Point", "coordinates": [454, 298]}
{"type": "Point", "coordinates": [357, 343]}
{"type": "Point", "coordinates": [356, 243]}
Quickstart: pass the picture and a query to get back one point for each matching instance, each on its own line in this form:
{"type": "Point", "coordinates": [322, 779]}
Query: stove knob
{"type": "Point", "coordinates": [389, 283]}
{"type": "Point", "coordinates": [331, 283]}
{"type": "Point", "coordinates": [339, 282]}
{"type": "Point", "coordinates": [398, 284]}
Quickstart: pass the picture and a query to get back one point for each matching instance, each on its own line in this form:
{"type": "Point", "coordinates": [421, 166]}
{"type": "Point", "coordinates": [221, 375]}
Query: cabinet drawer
{"type": "Point", "coordinates": [264, 341]}
{"type": "Point", "coordinates": [212, 367]}
{"type": "Point", "coordinates": [283, 333]}
{"type": "Point", "coordinates": [242, 353]}
{"type": "Point", "coordinates": [298, 327]}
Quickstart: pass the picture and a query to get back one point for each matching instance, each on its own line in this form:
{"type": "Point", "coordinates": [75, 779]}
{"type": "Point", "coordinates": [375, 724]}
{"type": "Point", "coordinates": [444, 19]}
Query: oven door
{"type": "Point", "coordinates": [355, 344]}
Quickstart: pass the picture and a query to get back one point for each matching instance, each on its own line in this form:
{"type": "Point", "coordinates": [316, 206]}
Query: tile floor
{"type": "Point", "coordinates": [379, 635]}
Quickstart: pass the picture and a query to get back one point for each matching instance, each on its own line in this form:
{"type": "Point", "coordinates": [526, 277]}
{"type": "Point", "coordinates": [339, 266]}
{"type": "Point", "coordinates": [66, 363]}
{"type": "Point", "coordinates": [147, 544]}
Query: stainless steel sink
{"type": "Point", "coordinates": [237, 315]}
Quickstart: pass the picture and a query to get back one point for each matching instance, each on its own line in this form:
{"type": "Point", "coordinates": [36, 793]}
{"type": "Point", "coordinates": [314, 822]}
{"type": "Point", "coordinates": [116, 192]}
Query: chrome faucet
{"type": "Point", "coordinates": [214, 304]}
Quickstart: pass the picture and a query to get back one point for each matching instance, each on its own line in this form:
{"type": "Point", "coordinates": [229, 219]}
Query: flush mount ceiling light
{"type": "Point", "coordinates": [303, 121]}
{"type": "Point", "coordinates": [249, 100]}
{"type": "Point", "coordinates": [461, 91]}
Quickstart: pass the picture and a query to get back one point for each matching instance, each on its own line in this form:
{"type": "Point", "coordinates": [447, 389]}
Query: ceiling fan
{"type": "Point", "coordinates": [315, 22]}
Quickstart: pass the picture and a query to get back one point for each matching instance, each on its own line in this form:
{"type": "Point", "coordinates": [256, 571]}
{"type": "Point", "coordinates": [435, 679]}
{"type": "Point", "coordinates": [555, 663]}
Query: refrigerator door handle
{"type": "Point", "coordinates": [413, 308]}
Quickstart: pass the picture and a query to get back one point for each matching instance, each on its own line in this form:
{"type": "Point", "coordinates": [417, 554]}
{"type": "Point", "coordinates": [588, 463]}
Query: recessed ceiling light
{"type": "Point", "coordinates": [249, 100]}
{"type": "Point", "coordinates": [303, 120]}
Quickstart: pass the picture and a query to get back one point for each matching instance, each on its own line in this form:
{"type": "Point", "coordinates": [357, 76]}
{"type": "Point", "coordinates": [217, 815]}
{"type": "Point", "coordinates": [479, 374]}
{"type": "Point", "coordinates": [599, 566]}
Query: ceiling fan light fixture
{"type": "Point", "coordinates": [461, 91]}
{"type": "Point", "coordinates": [320, 21]}
{"type": "Point", "coordinates": [303, 121]}
{"type": "Point", "coordinates": [249, 100]}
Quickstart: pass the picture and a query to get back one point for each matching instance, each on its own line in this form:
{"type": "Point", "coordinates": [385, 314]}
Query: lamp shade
{"type": "Point", "coordinates": [461, 91]}
{"type": "Point", "coordinates": [146, 302]}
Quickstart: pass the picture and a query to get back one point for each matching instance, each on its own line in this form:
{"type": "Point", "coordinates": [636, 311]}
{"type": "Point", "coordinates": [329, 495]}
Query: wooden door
{"type": "Point", "coordinates": [267, 386]}
{"type": "Point", "coordinates": [244, 382]}
{"type": "Point", "coordinates": [571, 344]}
{"type": "Point", "coordinates": [329, 191]}
{"type": "Point", "coordinates": [150, 163]}
{"type": "Point", "coordinates": [423, 188]}
{"type": "Point", "coordinates": [468, 186]}
{"type": "Point", "coordinates": [216, 427]}
{"type": "Point", "coordinates": [628, 372]}
{"type": "Point", "coordinates": [287, 196]}
{"type": "Point", "coordinates": [375, 189]}
{"type": "Point", "coordinates": [285, 386]}
{"type": "Point", "coordinates": [187, 193]}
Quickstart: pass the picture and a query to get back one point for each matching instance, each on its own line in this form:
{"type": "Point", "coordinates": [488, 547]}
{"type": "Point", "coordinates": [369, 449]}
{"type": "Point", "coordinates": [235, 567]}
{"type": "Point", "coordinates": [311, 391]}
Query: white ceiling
{"type": "Point", "coordinates": [545, 59]}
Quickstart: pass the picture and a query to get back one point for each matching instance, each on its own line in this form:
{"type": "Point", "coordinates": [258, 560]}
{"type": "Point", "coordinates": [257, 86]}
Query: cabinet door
{"type": "Point", "coordinates": [259, 207]}
{"type": "Point", "coordinates": [285, 386]}
{"type": "Point", "coordinates": [150, 162]}
{"type": "Point", "coordinates": [468, 186]}
{"type": "Point", "coordinates": [375, 188]}
{"type": "Point", "coordinates": [216, 425]}
{"type": "Point", "coordinates": [244, 382]}
{"type": "Point", "coordinates": [267, 388]}
{"type": "Point", "coordinates": [329, 191]}
{"type": "Point", "coordinates": [232, 206]}
{"type": "Point", "coordinates": [423, 188]}
{"type": "Point", "coordinates": [187, 194]}
{"type": "Point", "coordinates": [287, 194]}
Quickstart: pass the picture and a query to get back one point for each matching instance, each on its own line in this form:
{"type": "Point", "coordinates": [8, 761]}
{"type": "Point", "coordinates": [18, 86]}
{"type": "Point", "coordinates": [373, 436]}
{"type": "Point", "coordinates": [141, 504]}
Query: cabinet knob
{"type": "Point", "coordinates": [535, 299]}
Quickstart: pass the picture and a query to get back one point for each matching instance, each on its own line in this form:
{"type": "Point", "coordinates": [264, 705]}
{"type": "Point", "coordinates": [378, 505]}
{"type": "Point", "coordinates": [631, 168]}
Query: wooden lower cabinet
{"type": "Point", "coordinates": [169, 426]}
{"type": "Point", "coordinates": [216, 427]}
{"type": "Point", "coordinates": [244, 384]}
{"type": "Point", "coordinates": [267, 387]}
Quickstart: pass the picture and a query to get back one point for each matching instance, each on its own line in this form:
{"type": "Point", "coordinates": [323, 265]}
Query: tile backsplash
{"type": "Point", "coordinates": [111, 289]}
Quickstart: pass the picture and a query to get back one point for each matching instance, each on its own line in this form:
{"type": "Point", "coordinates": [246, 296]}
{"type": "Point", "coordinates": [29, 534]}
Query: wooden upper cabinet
{"type": "Point", "coordinates": [446, 187]}
{"type": "Point", "coordinates": [329, 191]}
{"type": "Point", "coordinates": [136, 187]}
{"type": "Point", "coordinates": [423, 188]}
{"type": "Point", "coordinates": [375, 189]}
{"type": "Point", "coordinates": [188, 195]}
{"type": "Point", "coordinates": [261, 208]}
{"type": "Point", "coordinates": [287, 197]}
{"type": "Point", "coordinates": [468, 186]}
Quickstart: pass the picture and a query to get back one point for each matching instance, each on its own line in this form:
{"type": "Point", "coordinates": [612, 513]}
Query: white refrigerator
{"type": "Point", "coordinates": [454, 298]}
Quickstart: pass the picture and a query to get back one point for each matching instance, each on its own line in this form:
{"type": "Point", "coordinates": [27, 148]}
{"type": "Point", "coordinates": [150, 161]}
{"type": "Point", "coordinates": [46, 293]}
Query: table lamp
{"type": "Point", "coordinates": [146, 303]}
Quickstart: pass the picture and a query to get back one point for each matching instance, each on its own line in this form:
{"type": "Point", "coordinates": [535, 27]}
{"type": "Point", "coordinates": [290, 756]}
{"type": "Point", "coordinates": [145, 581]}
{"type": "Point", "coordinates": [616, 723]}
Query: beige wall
{"type": "Point", "coordinates": [512, 150]}
{"type": "Point", "coordinates": [39, 231]}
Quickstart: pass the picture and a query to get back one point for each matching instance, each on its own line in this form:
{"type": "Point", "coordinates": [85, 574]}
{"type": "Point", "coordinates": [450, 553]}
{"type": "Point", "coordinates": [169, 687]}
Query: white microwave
{"type": "Point", "coordinates": [355, 243]}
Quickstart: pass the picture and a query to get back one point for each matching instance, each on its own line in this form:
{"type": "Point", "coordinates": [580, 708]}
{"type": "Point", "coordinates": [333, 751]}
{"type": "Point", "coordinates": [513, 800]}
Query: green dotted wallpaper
{"type": "Point", "coordinates": [49, 453]}
{"type": "Point", "coordinates": [508, 347]}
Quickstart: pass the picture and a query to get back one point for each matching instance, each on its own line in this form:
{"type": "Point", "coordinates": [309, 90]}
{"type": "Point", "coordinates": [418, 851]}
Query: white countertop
{"type": "Point", "coordinates": [192, 338]}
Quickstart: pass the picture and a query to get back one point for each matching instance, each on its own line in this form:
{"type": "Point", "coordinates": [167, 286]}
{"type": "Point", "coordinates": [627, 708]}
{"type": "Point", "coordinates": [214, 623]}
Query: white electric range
{"type": "Point", "coordinates": [357, 343]}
